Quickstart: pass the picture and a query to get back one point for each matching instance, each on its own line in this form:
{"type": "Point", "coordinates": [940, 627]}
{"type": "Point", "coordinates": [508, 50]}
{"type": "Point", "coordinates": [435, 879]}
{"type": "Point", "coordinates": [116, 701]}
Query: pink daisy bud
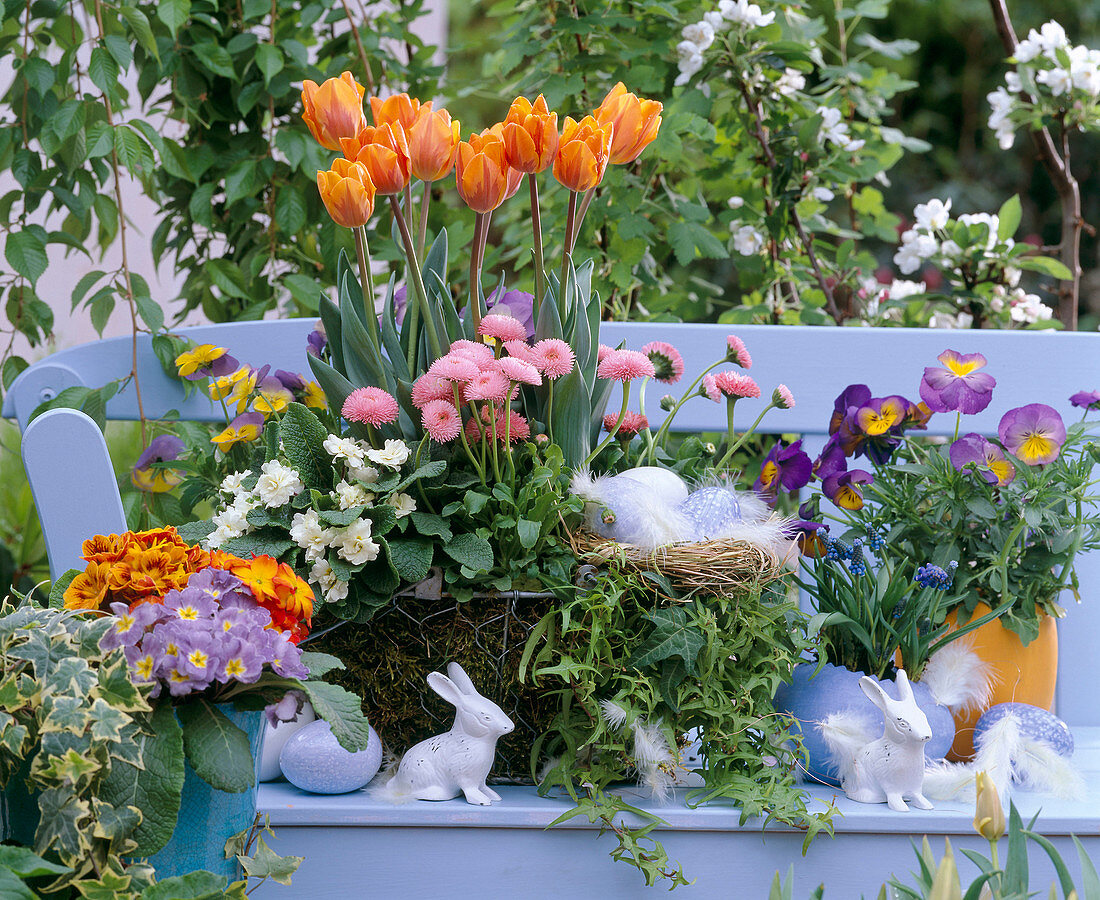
{"type": "Point", "coordinates": [624, 366]}
{"type": "Point", "coordinates": [519, 371]}
{"type": "Point", "coordinates": [782, 397]}
{"type": "Point", "coordinates": [603, 351]}
{"type": "Point", "coordinates": [371, 406]}
{"type": "Point", "coordinates": [733, 384]}
{"type": "Point", "coordinates": [431, 387]}
{"type": "Point", "coordinates": [666, 359]}
{"type": "Point", "coordinates": [709, 389]}
{"type": "Point", "coordinates": [518, 349]}
{"type": "Point", "coordinates": [553, 358]}
{"type": "Point", "coordinates": [737, 353]}
{"type": "Point", "coordinates": [668, 403]}
{"type": "Point", "coordinates": [503, 328]}
{"type": "Point", "coordinates": [441, 420]}
{"type": "Point", "coordinates": [454, 368]}
{"type": "Point", "coordinates": [633, 423]}
{"type": "Point", "coordinates": [488, 384]}
{"type": "Point", "coordinates": [472, 350]}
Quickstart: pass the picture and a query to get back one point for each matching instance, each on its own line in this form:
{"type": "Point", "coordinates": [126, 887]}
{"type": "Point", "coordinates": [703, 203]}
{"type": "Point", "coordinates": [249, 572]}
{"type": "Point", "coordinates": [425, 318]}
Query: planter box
{"type": "Point", "coordinates": [427, 850]}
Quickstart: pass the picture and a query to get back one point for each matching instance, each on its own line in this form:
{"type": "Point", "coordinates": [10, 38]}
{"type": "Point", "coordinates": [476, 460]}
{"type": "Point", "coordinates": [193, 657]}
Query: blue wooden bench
{"type": "Point", "coordinates": [354, 847]}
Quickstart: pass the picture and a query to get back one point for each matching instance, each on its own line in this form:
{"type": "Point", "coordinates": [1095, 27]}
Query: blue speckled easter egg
{"type": "Point", "coordinates": [712, 510]}
{"type": "Point", "coordinates": [313, 761]}
{"type": "Point", "coordinates": [1034, 721]}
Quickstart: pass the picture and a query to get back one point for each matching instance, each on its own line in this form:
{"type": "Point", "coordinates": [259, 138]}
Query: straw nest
{"type": "Point", "coordinates": [725, 567]}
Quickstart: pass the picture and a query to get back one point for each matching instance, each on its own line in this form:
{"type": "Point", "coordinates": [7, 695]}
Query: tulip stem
{"type": "Point", "coordinates": [422, 231]}
{"type": "Point", "coordinates": [611, 434]}
{"type": "Point", "coordinates": [362, 255]}
{"type": "Point", "coordinates": [477, 253]}
{"type": "Point", "coordinates": [585, 203]}
{"type": "Point", "coordinates": [418, 287]}
{"type": "Point", "coordinates": [536, 229]}
{"type": "Point", "coordinates": [567, 251]}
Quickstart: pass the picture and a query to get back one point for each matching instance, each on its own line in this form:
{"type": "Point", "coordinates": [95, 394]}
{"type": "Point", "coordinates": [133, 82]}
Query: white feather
{"type": "Point", "coordinates": [1013, 756]}
{"type": "Point", "coordinates": [613, 714]}
{"type": "Point", "coordinates": [653, 758]}
{"type": "Point", "coordinates": [958, 678]}
{"type": "Point", "coordinates": [948, 781]}
{"type": "Point", "coordinates": [996, 752]}
{"type": "Point", "coordinates": [643, 516]}
{"type": "Point", "coordinates": [844, 735]}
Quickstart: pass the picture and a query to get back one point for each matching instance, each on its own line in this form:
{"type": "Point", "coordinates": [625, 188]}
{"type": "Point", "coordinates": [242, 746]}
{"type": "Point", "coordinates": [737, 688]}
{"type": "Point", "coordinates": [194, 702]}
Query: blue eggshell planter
{"type": "Point", "coordinates": [209, 817]}
{"type": "Point", "coordinates": [810, 700]}
{"type": "Point", "coordinates": [1034, 722]}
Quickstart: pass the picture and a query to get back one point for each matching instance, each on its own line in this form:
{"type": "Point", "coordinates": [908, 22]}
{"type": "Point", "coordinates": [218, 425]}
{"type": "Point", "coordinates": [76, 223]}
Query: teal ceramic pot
{"type": "Point", "coordinates": [809, 700]}
{"type": "Point", "coordinates": [209, 817]}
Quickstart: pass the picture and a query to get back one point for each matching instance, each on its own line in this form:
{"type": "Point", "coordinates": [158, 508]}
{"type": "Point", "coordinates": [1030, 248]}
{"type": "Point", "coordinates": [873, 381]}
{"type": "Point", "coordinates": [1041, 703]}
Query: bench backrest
{"type": "Point", "coordinates": [76, 493]}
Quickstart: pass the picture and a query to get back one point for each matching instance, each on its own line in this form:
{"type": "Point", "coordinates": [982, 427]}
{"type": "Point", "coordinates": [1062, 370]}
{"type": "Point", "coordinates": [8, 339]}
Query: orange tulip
{"type": "Point", "coordinates": [348, 193]}
{"type": "Point", "coordinates": [433, 144]}
{"type": "Point", "coordinates": [399, 108]}
{"type": "Point", "coordinates": [635, 121]}
{"type": "Point", "coordinates": [334, 110]}
{"type": "Point", "coordinates": [481, 172]}
{"type": "Point", "coordinates": [582, 153]}
{"type": "Point", "coordinates": [384, 150]}
{"type": "Point", "coordinates": [530, 135]}
{"type": "Point", "coordinates": [515, 176]}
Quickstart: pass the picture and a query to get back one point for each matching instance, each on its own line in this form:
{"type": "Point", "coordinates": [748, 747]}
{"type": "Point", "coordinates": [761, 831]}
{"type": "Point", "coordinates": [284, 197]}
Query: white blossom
{"type": "Point", "coordinates": [914, 250]}
{"type": "Point", "coordinates": [735, 202]}
{"type": "Point", "coordinates": [835, 131]}
{"type": "Point", "coordinates": [748, 241]}
{"type": "Point", "coordinates": [231, 484]}
{"type": "Point", "coordinates": [715, 20]}
{"type": "Point", "coordinates": [277, 484]}
{"type": "Point", "coordinates": [322, 575]}
{"type": "Point", "coordinates": [355, 544]}
{"type": "Point", "coordinates": [701, 34]}
{"type": "Point", "coordinates": [1027, 308]}
{"type": "Point", "coordinates": [933, 215]}
{"type": "Point", "coordinates": [823, 194]}
{"type": "Point", "coordinates": [1057, 79]}
{"type": "Point", "coordinates": [744, 13]}
{"type": "Point", "coordinates": [990, 221]}
{"type": "Point", "coordinates": [947, 320]}
{"type": "Point", "coordinates": [393, 455]}
{"type": "Point", "coordinates": [789, 82]}
{"type": "Point", "coordinates": [344, 448]}
{"type": "Point", "coordinates": [308, 533]}
{"type": "Point", "coordinates": [900, 288]}
{"type": "Point", "coordinates": [403, 504]}
{"type": "Point", "coordinates": [350, 495]}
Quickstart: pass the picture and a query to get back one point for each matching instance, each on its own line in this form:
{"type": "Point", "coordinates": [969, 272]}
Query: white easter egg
{"type": "Point", "coordinates": [713, 511]}
{"type": "Point", "coordinates": [314, 761]}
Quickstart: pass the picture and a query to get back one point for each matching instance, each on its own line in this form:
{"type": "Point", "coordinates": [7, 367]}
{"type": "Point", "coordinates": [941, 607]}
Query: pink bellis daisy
{"type": "Point", "coordinates": [489, 384]}
{"type": "Point", "coordinates": [959, 386]}
{"type": "Point", "coordinates": [503, 328]}
{"type": "Point", "coordinates": [633, 423]}
{"type": "Point", "coordinates": [666, 359]}
{"type": "Point", "coordinates": [371, 406]}
{"type": "Point", "coordinates": [454, 368]}
{"type": "Point", "coordinates": [624, 366]}
{"type": "Point", "coordinates": [494, 423]}
{"type": "Point", "coordinates": [733, 384]}
{"type": "Point", "coordinates": [518, 350]}
{"type": "Point", "coordinates": [553, 357]}
{"type": "Point", "coordinates": [709, 389]}
{"type": "Point", "coordinates": [430, 387]}
{"type": "Point", "coordinates": [519, 371]}
{"type": "Point", "coordinates": [472, 350]}
{"type": "Point", "coordinates": [782, 397]}
{"type": "Point", "coordinates": [602, 352]}
{"type": "Point", "coordinates": [737, 353]}
{"type": "Point", "coordinates": [1034, 434]}
{"type": "Point", "coordinates": [441, 420]}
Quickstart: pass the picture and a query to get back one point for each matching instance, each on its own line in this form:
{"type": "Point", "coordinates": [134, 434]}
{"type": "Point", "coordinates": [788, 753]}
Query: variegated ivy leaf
{"type": "Point", "coordinates": [14, 737]}
{"type": "Point", "coordinates": [114, 823]}
{"type": "Point", "coordinates": [63, 822]}
{"type": "Point", "coordinates": [64, 713]}
{"type": "Point", "coordinates": [107, 722]}
{"type": "Point", "coordinates": [72, 767]}
{"type": "Point", "coordinates": [116, 688]}
{"type": "Point", "coordinates": [73, 676]}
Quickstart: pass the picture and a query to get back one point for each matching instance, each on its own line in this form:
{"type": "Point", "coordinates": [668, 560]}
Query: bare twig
{"type": "Point", "coordinates": [363, 61]}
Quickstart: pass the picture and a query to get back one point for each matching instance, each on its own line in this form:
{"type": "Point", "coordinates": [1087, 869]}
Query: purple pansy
{"type": "Point", "coordinates": [881, 415]}
{"type": "Point", "coordinates": [1034, 434]}
{"type": "Point", "coordinates": [290, 380]}
{"type": "Point", "coordinates": [832, 460]}
{"type": "Point", "coordinates": [786, 467]}
{"type": "Point", "coordinates": [1086, 399]}
{"type": "Point", "coordinates": [986, 457]}
{"type": "Point", "coordinates": [843, 489]}
{"type": "Point", "coordinates": [959, 386]}
{"type": "Point", "coordinates": [223, 365]}
{"type": "Point", "coordinates": [852, 397]}
{"type": "Point", "coordinates": [317, 340]}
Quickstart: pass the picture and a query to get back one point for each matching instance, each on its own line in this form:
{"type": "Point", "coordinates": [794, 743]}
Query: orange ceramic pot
{"type": "Point", "coordinates": [1019, 674]}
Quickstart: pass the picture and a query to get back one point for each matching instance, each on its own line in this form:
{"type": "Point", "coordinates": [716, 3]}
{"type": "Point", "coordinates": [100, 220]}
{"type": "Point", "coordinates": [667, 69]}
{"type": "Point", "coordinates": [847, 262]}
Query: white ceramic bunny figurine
{"type": "Point", "coordinates": [458, 761]}
{"type": "Point", "coordinates": [891, 769]}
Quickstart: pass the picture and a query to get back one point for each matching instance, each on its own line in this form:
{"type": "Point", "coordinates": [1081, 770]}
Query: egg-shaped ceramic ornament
{"type": "Point", "coordinates": [313, 760]}
{"type": "Point", "coordinates": [712, 511]}
{"type": "Point", "coordinates": [1034, 722]}
{"type": "Point", "coordinates": [636, 507]}
{"type": "Point", "coordinates": [275, 738]}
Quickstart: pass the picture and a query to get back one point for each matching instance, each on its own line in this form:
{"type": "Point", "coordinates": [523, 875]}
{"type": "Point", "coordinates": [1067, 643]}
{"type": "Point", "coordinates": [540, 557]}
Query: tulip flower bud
{"type": "Point", "coordinates": [333, 110]}
{"type": "Point", "coordinates": [481, 174]}
{"type": "Point", "coordinates": [989, 815]}
{"type": "Point", "coordinates": [397, 109]}
{"type": "Point", "coordinates": [635, 121]}
{"type": "Point", "coordinates": [347, 192]}
{"type": "Point", "coordinates": [583, 153]}
{"type": "Point", "coordinates": [384, 150]}
{"type": "Point", "coordinates": [433, 144]}
{"type": "Point", "coordinates": [530, 133]}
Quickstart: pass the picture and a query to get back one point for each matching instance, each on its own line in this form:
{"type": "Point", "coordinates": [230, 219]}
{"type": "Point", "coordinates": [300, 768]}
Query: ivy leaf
{"type": "Point", "coordinates": [471, 551]}
{"type": "Point", "coordinates": [343, 712]}
{"type": "Point", "coordinates": [63, 822]}
{"type": "Point", "coordinates": [303, 438]}
{"type": "Point", "coordinates": [217, 749]}
{"type": "Point", "coordinates": [192, 886]}
{"type": "Point", "coordinates": [673, 636]}
{"type": "Point", "coordinates": [115, 687]}
{"type": "Point", "coordinates": [266, 863]}
{"type": "Point", "coordinates": [26, 252]}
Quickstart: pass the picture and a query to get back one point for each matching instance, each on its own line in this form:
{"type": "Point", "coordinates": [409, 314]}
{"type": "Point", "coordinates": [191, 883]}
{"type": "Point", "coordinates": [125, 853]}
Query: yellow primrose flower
{"type": "Point", "coordinates": [190, 361]}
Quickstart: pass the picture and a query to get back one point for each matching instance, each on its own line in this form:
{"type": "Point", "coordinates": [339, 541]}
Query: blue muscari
{"type": "Point", "coordinates": [876, 537]}
{"type": "Point", "coordinates": [934, 576]}
{"type": "Point", "coordinates": [856, 564]}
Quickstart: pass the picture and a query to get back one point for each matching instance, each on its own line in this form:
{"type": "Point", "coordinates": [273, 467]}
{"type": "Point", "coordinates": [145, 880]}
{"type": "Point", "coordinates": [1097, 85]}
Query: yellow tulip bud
{"type": "Point", "coordinates": [989, 815]}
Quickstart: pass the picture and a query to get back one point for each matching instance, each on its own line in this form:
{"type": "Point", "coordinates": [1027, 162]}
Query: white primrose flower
{"type": "Point", "coordinates": [393, 455]}
{"type": "Point", "coordinates": [344, 448]}
{"type": "Point", "coordinates": [231, 484]}
{"type": "Point", "coordinates": [701, 34]}
{"type": "Point", "coordinates": [403, 504]}
{"type": "Point", "coordinates": [748, 241]}
{"type": "Point", "coordinates": [364, 474]}
{"type": "Point", "coordinates": [350, 495]}
{"type": "Point", "coordinates": [322, 575]}
{"type": "Point", "coordinates": [933, 215]}
{"type": "Point", "coordinates": [231, 523]}
{"type": "Point", "coordinates": [308, 533]}
{"type": "Point", "coordinates": [355, 544]}
{"type": "Point", "coordinates": [277, 484]}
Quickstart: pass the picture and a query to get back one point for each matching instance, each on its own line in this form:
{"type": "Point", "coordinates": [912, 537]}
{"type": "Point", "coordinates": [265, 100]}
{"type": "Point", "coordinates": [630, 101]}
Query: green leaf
{"type": "Point", "coordinates": [412, 557]}
{"type": "Point", "coordinates": [528, 533]}
{"type": "Point", "coordinates": [342, 710]}
{"type": "Point", "coordinates": [216, 58]}
{"type": "Point", "coordinates": [193, 886]}
{"type": "Point", "coordinates": [303, 438]}
{"type": "Point", "coordinates": [291, 217]}
{"type": "Point", "coordinates": [217, 749]}
{"type": "Point", "coordinates": [13, 888]}
{"type": "Point", "coordinates": [320, 664]}
{"type": "Point", "coordinates": [1009, 217]}
{"type": "Point", "coordinates": [471, 551]}
{"type": "Point", "coordinates": [103, 70]}
{"type": "Point", "coordinates": [26, 252]}
{"type": "Point", "coordinates": [64, 823]}
{"type": "Point", "coordinates": [673, 636]}
{"type": "Point", "coordinates": [269, 60]}
{"type": "Point", "coordinates": [1045, 266]}
{"type": "Point", "coordinates": [266, 863]}
{"type": "Point", "coordinates": [150, 312]}
{"type": "Point", "coordinates": [140, 28]}
{"type": "Point", "coordinates": [155, 789]}
{"type": "Point", "coordinates": [240, 181]}
{"type": "Point", "coordinates": [174, 13]}
{"type": "Point", "coordinates": [23, 862]}
{"type": "Point", "coordinates": [430, 525]}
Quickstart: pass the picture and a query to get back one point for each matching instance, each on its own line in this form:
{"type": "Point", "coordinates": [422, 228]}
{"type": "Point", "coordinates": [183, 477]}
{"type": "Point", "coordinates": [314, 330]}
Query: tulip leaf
{"type": "Point", "coordinates": [330, 319]}
{"type": "Point", "coordinates": [571, 416]}
{"type": "Point", "coordinates": [436, 260]}
{"type": "Point", "coordinates": [336, 386]}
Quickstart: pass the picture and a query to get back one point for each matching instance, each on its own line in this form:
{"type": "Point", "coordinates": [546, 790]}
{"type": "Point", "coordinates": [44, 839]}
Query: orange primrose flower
{"type": "Point", "coordinates": [583, 153]}
{"type": "Point", "coordinates": [347, 192]}
{"type": "Point", "coordinates": [530, 133]}
{"type": "Point", "coordinates": [397, 108]}
{"type": "Point", "coordinates": [333, 110]}
{"type": "Point", "coordinates": [384, 151]}
{"type": "Point", "coordinates": [481, 173]}
{"type": "Point", "coordinates": [433, 143]}
{"type": "Point", "coordinates": [89, 589]}
{"type": "Point", "coordinates": [635, 121]}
